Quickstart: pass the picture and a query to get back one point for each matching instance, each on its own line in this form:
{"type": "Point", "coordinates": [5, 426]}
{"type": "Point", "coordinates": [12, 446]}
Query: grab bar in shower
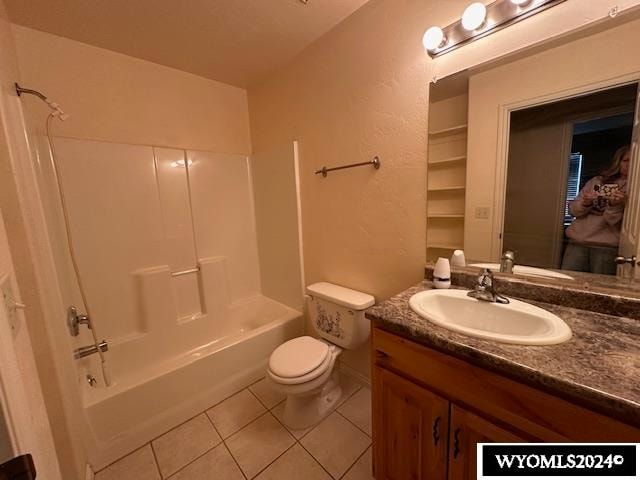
{"type": "Point", "coordinates": [185, 272]}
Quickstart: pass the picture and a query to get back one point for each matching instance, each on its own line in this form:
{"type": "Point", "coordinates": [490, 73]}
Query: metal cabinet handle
{"type": "Point", "coordinates": [436, 431]}
{"type": "Point", "coordinates": [456, 443]}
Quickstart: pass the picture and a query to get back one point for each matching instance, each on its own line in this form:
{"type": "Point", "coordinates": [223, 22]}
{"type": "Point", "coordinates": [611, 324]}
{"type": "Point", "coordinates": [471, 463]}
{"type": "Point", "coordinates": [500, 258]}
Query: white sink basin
{"type": "Point", "coordinates": [516, 322]}
{"type": "Point", "coordinates": [524, 270]}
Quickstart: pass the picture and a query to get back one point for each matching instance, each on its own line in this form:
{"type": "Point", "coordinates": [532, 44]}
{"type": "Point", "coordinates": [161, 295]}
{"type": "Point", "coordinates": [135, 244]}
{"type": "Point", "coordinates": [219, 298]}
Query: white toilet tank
{"type": "Point", "coordinates": [337, 314]}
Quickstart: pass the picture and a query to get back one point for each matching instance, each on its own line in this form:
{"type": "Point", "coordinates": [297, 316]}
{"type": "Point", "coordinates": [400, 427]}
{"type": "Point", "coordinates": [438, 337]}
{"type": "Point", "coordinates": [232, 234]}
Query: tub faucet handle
{"type": "Point", "coordinates": [75, 319]}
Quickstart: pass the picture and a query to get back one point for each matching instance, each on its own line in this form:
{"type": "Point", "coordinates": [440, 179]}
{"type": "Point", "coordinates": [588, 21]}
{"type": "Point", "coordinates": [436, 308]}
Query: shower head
{"type": "Point", "coordinates": [56, 110]}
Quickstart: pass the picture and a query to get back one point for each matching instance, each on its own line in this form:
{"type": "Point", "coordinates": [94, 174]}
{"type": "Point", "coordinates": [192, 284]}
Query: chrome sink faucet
{"type": "Point", "coordinates": [485, 290]}
{"type": "Point", "coordinates": [507, 261]}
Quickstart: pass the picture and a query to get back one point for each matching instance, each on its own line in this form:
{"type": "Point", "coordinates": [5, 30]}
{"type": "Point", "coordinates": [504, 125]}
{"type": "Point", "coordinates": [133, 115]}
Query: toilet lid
{"type": "Point", "coordinates": [298, 357]}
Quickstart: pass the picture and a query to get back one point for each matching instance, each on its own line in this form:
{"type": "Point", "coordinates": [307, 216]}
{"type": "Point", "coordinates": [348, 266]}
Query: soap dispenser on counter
{"type": "Point", "coordinates": [442, 274]}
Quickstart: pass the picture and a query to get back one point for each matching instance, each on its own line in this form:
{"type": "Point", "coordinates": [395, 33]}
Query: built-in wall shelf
{"type": "Point", "coordinates": [446, 189]}
{"type": "Point", "coordinates": [447, 169]}
{"type": "Point", "coordinates": [444, 246]}
{"type": "Point", "coordinates": [449, 131]}
{"type": "Point", "coordinates": [446, 161]}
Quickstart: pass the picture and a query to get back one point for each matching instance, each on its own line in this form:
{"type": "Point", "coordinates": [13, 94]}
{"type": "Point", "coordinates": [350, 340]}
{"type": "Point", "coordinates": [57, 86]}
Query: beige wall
{"type": "Point", "coordinates": [360, 91]}
{"type": "Point", "coordinates": [603, 57]}
{"type": "Point", "coordinates": [113, 97]}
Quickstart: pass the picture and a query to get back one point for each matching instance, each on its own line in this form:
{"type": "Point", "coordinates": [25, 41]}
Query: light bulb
{"type": "Point", "coordinates": [520, 3]}
{"type": "Point", "coordinates": [474, 16]}
{"type": "Point", "coordinates": [433, 38]}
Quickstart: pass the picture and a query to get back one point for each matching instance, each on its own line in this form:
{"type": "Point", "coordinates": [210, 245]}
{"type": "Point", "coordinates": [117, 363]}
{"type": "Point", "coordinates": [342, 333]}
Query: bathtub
{"type": "Point", "coordinates": [146, 400]}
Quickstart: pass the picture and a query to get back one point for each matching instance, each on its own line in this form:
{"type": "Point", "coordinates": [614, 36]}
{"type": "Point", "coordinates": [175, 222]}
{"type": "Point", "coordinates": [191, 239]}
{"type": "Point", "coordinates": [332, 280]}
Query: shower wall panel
{"type": "Point", "coordinates": [141, 214]}
{"type": "Point", "coordinates": [116, 225]}
{"type": "Point", "coordinates": [175, 203]}
{"type": "Point", "coordinates": [224, 221]}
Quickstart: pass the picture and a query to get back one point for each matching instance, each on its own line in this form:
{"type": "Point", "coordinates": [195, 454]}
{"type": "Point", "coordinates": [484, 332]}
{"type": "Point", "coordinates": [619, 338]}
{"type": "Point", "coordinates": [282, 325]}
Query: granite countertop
{"type": "Point", "coordinates": [599, 367]}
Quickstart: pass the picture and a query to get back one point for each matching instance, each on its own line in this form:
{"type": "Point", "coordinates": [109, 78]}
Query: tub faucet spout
{"type": "Point", "coordinates": [90, 350]}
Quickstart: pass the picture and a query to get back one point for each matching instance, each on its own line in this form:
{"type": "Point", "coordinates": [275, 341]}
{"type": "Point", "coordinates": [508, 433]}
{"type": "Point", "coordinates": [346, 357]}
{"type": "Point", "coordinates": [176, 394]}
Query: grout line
{"type": "Point", "coordinates": [155, 459]}
{"type": "Point", "coordinates": [316, 460]}
{"type": "Point", "coordinates": [233, 458]}
{"type": "Point", "coordinates": [199, 456]}
{"type": "Point", "coordinates": [298, 440]}
{"type": "Point", "coordinates": [264, 404]}
{"type": "Point", "coordinates": [352, 423]}
{"type": "Point", "coordinates": [287, 428]}
{"type": "Point", "coordinates": [344, 400]}
{"type": "Point", "coordinates": [275, 459]}
{"type": "Point", "coordinates": [257, 398]}
{"type": "Point", "coordinates": [223, 440]}
{"type": "Point", "coordinates": [193, 461]}
{"type": "Point", "coordinates": [357, 460]}
{"type": "Point", "coordinates": [124, 456]}
{"type": "Point", "coordinates": [243, 426]}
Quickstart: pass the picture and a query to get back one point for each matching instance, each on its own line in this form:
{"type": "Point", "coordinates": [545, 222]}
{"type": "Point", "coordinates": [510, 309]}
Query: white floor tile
{"type": "Point", "coordinates": [336, 444]}
{"type": "Point", "coordinates": [259, 443]}
{"type": "Point", "coordinates": [235, 412]}
{"type": "Point", "coordinates": [357, 409]}
{"type": "Point", "coordinates": [349, 386]}
{"type": "Point", "coordinates": [266, 393]}
{"type": "Point", "coordinates": [279, 412]}
{"type": "Point", "coordinates": [295, 463]}
{"type": "Point", "coordinates": [217, 464]}
{"type": "Point", "coordinates": [185, 443]}
{"type": "Point", "coordinates": [362, 470]}
{"type": "Point", "coordinates": [139, 465]}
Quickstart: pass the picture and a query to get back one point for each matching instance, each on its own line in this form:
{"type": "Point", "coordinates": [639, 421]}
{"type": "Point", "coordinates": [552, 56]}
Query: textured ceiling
{"type": "Point", "coordinates": [233, 41]}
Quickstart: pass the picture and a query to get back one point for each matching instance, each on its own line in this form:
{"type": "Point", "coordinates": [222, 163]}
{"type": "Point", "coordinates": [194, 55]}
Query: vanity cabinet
{"type": "Point", "coordinates": [413, 431]}
{"type": "Point", "coordinates": [467, 430]}
{"type": "Point", "coordinates": [430, 409]}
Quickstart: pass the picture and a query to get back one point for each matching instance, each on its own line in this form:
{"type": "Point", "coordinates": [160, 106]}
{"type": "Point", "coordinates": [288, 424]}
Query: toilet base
{"type": "Point", "coordinates": [304, 411]}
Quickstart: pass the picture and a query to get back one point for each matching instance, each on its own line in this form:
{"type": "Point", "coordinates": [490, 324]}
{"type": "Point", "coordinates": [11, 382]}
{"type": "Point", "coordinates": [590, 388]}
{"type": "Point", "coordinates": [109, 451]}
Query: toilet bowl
{"type": "Point", "coordinates": [303, 369]}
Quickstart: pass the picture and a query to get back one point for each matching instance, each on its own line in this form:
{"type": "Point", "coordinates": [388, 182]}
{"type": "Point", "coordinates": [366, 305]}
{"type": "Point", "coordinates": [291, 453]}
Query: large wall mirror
{"type": "Point", "coordinates": [538, 156]}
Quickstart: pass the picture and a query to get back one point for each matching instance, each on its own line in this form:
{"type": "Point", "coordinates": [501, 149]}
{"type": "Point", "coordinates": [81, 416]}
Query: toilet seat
{"type": "Point", "coordinates": [300, 360]}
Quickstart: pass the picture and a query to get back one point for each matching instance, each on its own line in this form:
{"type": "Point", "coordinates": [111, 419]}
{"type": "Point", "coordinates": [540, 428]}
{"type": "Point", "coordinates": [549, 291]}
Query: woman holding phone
{"type": "Point", "coordinates": [594, 235]}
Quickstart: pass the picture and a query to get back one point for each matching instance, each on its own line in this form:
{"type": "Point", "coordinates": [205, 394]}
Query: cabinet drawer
{"type": "Point", "coordinates": [536, 414]}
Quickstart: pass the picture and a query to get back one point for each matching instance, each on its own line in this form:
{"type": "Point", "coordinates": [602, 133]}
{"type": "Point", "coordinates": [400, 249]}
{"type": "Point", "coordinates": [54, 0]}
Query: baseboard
{"type": "Point", "coordinates": [356, 375]}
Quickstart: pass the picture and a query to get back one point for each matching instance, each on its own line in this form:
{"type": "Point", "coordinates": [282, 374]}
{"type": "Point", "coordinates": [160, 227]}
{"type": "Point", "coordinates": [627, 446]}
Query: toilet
{"type": "Point", "coordinates": [303, 368]}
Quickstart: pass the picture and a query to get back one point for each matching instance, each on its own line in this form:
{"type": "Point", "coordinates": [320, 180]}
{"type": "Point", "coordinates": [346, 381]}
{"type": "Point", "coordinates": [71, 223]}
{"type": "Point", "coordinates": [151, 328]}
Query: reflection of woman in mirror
{"type": "Point", "coordinates": [594, 235]}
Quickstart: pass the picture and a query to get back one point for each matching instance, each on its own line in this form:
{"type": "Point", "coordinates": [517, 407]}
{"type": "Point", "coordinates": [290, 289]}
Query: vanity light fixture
{"type": "Point", "coordinates": [434, 38]}
{"type": "Point", "coordinates": [479, 20]}
{"type": "Point", "coordinates": [474, 16]}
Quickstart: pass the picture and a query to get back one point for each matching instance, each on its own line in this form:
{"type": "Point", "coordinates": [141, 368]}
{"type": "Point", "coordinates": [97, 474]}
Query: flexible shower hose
{"type": "Point", "coordinates": [105, 374]}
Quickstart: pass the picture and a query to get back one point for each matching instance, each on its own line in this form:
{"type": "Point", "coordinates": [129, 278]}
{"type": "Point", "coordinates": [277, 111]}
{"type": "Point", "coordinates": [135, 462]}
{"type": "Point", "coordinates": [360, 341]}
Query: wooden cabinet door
{"type": "Point", "coordinates": [410, 427]}
{"type": "Point", "coordinates": [467, 430]}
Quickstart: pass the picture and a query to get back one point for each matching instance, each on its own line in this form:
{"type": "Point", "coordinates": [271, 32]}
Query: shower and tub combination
{"type": "Point", "coordinates": [159, 247]}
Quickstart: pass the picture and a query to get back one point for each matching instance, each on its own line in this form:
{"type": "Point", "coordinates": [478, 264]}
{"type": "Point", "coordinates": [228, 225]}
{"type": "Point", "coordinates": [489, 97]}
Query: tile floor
{"type": "Point", "coordinates": [243, 437]}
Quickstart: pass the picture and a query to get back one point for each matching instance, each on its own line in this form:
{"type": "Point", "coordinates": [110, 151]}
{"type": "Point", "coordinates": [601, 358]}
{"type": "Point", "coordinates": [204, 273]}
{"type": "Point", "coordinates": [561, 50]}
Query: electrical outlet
{"type": "Point", "coordinates": [482, 213]}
